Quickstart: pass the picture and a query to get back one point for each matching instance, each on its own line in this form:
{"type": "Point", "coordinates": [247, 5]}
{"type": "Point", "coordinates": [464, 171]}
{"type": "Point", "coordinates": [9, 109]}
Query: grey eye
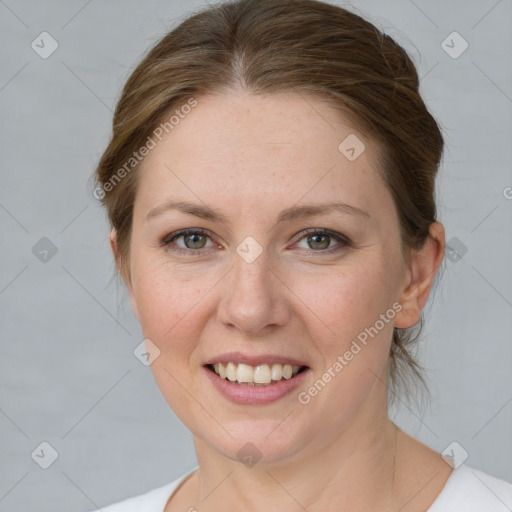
{"type": "Point", "coordinates": [195, 241]}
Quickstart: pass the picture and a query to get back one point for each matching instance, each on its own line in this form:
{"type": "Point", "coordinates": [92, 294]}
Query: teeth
{"type": "Point", "coordinates": [261, 375]}
{"type": "Point", "coordinates": [244, 373]}
{"type": "Point", "coordinates": [277, 371]}
{"type": "Point", "coordinates": [231, 371]}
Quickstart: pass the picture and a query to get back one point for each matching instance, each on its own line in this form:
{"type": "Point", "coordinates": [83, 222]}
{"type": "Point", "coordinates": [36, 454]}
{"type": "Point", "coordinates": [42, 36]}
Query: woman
{"type": "Point", "coordinates": [270, 186]}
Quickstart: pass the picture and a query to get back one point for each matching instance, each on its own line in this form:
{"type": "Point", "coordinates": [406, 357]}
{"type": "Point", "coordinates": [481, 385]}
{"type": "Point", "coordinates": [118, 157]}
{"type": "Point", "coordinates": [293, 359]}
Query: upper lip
{"type": "Point", "coordinates": [254, 360]}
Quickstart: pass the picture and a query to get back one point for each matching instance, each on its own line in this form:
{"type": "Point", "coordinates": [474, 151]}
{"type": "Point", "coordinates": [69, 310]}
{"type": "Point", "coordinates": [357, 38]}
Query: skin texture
{"type": "Point", "coordinates": [251, 157]}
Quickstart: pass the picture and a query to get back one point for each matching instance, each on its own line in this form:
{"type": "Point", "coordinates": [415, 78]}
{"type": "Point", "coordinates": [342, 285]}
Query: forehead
{"type": "Point", "coordinates": [247, 148]}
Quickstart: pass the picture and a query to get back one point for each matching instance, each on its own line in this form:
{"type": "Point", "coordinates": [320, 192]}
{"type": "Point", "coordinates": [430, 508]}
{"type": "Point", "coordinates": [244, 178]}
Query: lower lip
{"type": "Point", "coordinates": [253, 395]}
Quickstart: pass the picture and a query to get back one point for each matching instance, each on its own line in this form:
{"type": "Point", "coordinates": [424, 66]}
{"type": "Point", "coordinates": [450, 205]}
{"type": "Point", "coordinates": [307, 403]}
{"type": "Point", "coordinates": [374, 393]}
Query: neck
{"type": "Point", "coordinates": [354, 469]}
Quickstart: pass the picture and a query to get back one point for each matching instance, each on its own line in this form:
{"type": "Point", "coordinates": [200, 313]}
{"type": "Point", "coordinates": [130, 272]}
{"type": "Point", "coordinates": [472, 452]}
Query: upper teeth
{"type": "Point", "coordinates": [261, 374]}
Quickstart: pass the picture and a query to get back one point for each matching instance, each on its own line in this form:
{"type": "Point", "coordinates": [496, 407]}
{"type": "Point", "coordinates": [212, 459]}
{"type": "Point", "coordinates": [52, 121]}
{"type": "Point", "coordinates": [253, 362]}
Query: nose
{"type": "Point", "coordinates": [254, 299]}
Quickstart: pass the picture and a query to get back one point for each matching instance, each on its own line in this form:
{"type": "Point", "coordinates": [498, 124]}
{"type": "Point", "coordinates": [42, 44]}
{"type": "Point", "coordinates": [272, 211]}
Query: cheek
{"type": "Point", "coordinates": [351, 298]}
{"type": "Point", "coordinates": [169, 316]}
{"type": "Point", "coordinates": [168, 307]}
{"type": "Point", "coordinates": [354, 340]}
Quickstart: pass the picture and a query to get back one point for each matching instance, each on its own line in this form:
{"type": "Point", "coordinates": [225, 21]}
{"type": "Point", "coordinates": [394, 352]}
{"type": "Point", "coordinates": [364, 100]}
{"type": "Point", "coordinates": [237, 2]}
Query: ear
{"type": "Point", "coordinates": [420, 277]}
{"type": "Point", "coordinates": [122, 269]}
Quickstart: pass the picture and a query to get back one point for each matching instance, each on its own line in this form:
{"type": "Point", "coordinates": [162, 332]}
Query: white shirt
{"type": "Point", "coordinates": [466, 490]}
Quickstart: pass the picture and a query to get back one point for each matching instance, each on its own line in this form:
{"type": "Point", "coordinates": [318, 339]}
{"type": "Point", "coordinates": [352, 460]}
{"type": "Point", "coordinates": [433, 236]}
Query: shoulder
{"type": "Point", "coordinates": [151, 501]}
{"type": "Point", "coordinates": [472, 490]}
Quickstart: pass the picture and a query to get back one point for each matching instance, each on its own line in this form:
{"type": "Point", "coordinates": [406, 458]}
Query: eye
{"type": "Point", "coordinates": [194, 240]}
{"type": "Point", "coordinates": [320, 240]}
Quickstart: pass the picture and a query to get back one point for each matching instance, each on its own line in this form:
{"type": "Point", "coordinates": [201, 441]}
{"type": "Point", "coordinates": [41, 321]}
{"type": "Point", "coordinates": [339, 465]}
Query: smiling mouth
{"type": "Point", "coordinates": [261, 375]}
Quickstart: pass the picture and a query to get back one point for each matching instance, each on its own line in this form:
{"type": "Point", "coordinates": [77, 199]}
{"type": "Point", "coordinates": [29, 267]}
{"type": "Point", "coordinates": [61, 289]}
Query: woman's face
{"type": "Point", "coordinates": [257, 280]}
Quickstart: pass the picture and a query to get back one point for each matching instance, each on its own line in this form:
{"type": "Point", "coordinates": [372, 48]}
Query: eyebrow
{"type": "Point", "coordinates": [292, 213]}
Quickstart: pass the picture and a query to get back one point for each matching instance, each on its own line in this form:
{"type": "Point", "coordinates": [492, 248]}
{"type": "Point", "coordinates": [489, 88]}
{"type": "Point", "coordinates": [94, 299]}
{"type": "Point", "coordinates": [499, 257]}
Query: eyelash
{"type": "Point", "coordinates": [168, 239]}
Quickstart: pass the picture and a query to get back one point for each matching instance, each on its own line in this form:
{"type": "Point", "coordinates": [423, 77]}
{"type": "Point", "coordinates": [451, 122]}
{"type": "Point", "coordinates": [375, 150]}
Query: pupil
{"type": "Point", "coordinates": [315, 237]}
{"type": "Point", "coordinates": [193, 236]}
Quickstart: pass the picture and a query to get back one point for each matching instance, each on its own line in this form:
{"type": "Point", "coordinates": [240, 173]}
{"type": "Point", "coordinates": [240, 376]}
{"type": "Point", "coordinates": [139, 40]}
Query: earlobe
{"type": "Point", "coordinates": [117, 256]}
{"type": "Point", "coordinates": [115, 251]}
{"type": "Point", "coordinates": [127, 280]}
{"type": "Point", "coordinates": [133, 303]}
{"type": "Point", "coordinates": [420, 277]}
{"type": "Point", "coordinates": [113, 243]}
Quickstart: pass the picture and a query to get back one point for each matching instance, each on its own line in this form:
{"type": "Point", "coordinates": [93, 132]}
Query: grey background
{"type": "Point", "coordinates": [67, 369]}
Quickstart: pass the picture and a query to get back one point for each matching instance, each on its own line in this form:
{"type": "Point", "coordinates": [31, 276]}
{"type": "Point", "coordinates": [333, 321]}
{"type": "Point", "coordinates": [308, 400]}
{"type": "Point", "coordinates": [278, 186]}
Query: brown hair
{"type": "Point", "coordinates": [268, 46]}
